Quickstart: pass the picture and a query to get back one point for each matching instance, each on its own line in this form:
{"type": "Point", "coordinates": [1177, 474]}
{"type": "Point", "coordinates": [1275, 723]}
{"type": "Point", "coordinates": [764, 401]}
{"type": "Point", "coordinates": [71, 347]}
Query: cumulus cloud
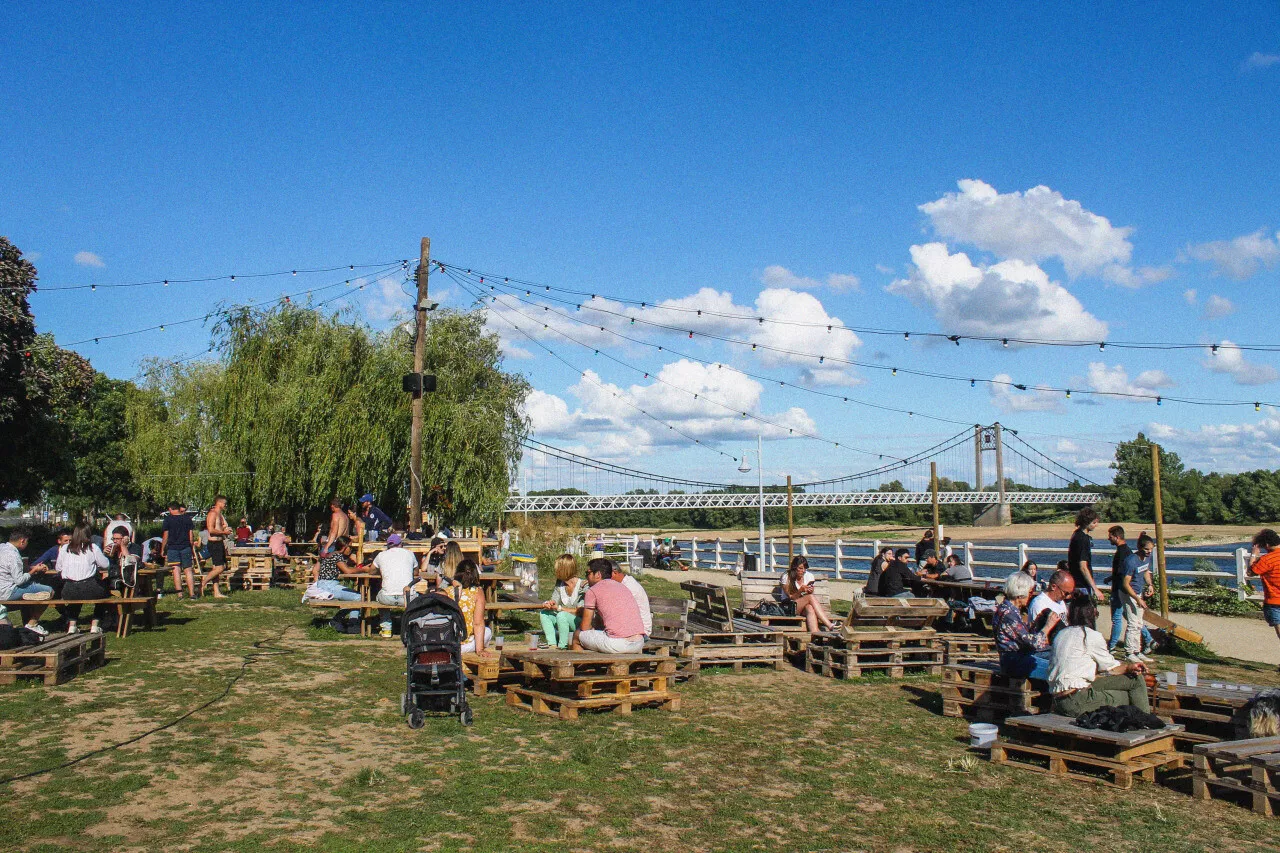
{"type": "Point", "coordinates": [1038, 225]}
{"type": "Point", "coordinates": [1012, 298]}
{"type": "Point", "coordinates": [387, 300]}
{"type": "Point", "coordinates": [1007, 398]}
{"type": "Point", "coordinates": [1189, 296]}
{"type": "Point", "coordinates": [1225, 447]}
{"type": "Point", "coordinates": [779, 276]}
{"type": "Point", "coordinates": [89, 259]}
{"type": "Point", "coordinates": [1216, 307]}
{"type": "Point", "coordinates": [1115, 380]}
{"type": "Point", "coordinates": [1239, 258]}
{"type": "Point", "coordinates": [1231, 361]}
{"type": "Point", "coordinates": [1257, 59]}
{"type": "Point", "coordinates": [705, 402]}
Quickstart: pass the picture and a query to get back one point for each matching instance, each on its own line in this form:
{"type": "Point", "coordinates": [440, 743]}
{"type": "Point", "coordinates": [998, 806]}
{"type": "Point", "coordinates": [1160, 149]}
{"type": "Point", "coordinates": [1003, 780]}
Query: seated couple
{"type": "Point", "coordinates": [616, 618]}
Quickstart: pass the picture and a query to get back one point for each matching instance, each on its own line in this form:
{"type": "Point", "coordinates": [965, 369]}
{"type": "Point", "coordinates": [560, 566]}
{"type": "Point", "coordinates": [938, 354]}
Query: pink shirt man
{"type": "Point", "coordinates": [617, 608]}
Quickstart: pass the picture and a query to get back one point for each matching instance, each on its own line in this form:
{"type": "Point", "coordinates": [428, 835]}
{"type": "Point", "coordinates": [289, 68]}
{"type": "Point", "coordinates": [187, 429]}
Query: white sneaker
{"type": "Point", "coordinates": [96, 629]}
{"type": "Point", "coordinates": [1134, 658]}
{"type": "Point", "coordinates": [1142, 656]}
{"type": "Point", "coordinates": [72, 628]}
{"type": "Point", "coordinates": [39, 629]}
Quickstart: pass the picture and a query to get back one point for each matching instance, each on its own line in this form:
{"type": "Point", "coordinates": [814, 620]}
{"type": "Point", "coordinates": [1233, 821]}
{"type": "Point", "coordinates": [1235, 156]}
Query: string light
{"type": "Point", "coordinates": [895, 371]}
{"type": "Point", "coordinates": [1159, 402]}
{"type": "Point", "coordinates": [1004, 342]}
{"type": "Point", "coordinates": [1068, 393]}
{"type": "Point", "coordinates": [209, 278]}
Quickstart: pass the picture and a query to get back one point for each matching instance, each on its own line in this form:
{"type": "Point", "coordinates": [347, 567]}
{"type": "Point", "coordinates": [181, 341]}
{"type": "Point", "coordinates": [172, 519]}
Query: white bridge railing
{"type": "Point", "coordinates": [751, 500]}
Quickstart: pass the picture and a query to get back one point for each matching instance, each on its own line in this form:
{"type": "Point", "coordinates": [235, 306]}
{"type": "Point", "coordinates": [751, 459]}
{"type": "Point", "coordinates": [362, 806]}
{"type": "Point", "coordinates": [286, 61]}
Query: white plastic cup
{"type": "Point", "coordinates": [497, 643]}
{"type": "Point", "coordinates": [1193, 674]}
{"type": "Point", "coordinates": [1171, 679]}
{"type": "Point", "coordinates": [533, 642]}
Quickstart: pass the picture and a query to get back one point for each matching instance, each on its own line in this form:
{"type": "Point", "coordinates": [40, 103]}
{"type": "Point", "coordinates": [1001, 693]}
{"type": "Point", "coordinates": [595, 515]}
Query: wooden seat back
{"type": "Point", "coordinates": [710, 605]}
{"type": "Point", "coordinates": [758, 586]}
{"type": "Point", "coordinates": [670, 620]}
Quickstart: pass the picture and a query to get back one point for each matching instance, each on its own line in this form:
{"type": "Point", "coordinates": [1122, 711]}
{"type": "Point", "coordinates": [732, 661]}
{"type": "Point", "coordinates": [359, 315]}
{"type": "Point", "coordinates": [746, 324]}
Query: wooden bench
{"type": "Point", "coordinates": [896, 612]}
{"type": "Point", "coordinates": [961, 648]}
{"type": "Point", "coordinates": [979, 691]}
{"type": "Point", "coordinates": [1243, 767]}
{"type": "Point", "coordinates": [761, 586]}
{"type": "Point", "coordinates": [890, 651]}
{"type": "Point", "coordinates": [59, 658]}
{"type": "Point", "coordinates": [562, 683]}
{"type": "Point", "coordinates": [124, 609]}
{"type": "Point", "coordinates": [1054, 744]}
{"type": "Point", "coordinates": [1207, 712]}
{"type": "Point", "coordinates": [670, 624]}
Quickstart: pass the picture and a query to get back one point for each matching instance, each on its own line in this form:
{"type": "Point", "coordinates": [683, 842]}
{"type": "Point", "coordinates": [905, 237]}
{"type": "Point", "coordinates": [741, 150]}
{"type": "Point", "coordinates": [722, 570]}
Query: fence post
{"type": "Point", "coordinates": [1243, 587]}
{"type": "Point", "coordinates": [773, 554]}
{"type": "Point", "coordinates": [744, 555]}
{"type": "Point", "coordinates": [1022, 555]}
{"type": "Point", "coordinates": [693, 552]}
{"type": "Point", "coordinates": [718, 553]}
{"type": "Point", "coordinates": [839, 559]}
{"type": "Point", "coordinates": [804, 547]}
{"type": "Point", "coordinates": [968, 555]}
{"type": "Point", "coordinates": [875, 551]}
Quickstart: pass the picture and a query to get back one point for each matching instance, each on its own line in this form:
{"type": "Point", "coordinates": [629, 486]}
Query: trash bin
{"type": "Point", "coordinates": [636, 562]}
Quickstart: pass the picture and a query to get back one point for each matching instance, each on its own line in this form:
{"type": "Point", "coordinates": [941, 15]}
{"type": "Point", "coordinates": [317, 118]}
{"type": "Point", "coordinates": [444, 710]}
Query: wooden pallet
{"type": "Point", "coordinates": [1206, 712]}
{"type": "Point", "coordinates": [957, 648]}
{"type": "Point", "coordinates": [710, 605]}
{"type": "Point", "coordinates": [54, 661]}
{"type": "Point", "coordinates": [670, 622]}
{"type": "Point", "coordinates": [567, 708]}
{"type": "Point", "coordinates": [737, 649]}
{"type": "Point", "coordinates": [1249, 768]}
{"type": "Point", "coordinates": [978, 691]}
{"type": "Point", "coordinates": [896, 612]}
{"type": "Point", "coordinates": [488, 671]}
{"type": "Point", "coordinates": [1053, 744]}
{"type": "Point", "coordinates": [559, 665]}
{"type": "Point", "coordinates": [896, 652]}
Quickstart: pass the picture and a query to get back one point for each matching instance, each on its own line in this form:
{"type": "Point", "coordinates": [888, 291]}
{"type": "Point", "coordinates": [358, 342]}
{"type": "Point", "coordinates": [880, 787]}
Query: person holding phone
{"type": "Point", "coordinates": [1082, 673]}
{"type": "Point", "coordinates": [799, 585]}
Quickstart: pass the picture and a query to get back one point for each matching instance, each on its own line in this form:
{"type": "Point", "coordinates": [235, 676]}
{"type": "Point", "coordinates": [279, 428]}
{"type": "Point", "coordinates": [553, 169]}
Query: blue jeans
{"type": "Point", "coordinates": [384, 597]}
{"type": "Point", "coordinates": [340, 593]}
{"type": "Point", "coordinates": [1025, 664]}
{"type": "Point", "coordinates": [1117, 623]}
{"type": "Point", "coordinates": [28, 587]}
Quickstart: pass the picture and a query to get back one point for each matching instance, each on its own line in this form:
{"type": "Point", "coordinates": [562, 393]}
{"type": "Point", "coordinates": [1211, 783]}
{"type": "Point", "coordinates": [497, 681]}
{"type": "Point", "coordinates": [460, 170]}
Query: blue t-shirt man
{"type": "Point", "coordinates": [1136, 569]}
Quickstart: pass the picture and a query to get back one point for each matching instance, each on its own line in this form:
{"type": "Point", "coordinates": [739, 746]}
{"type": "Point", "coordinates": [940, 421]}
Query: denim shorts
{"type": "Point", "coordinates": [181, 556]}
{"type": "Point", "coordinates": [1271, 612]}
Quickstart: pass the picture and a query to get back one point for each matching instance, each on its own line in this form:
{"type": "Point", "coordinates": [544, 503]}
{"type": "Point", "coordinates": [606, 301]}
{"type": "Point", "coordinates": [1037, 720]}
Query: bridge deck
{"type": "Point", "coordinates": [751, 500]}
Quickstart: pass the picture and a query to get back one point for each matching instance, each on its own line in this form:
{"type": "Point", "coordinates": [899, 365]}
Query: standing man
{"type": "Point", "coordinates": [339, 524]}
{"type": "Point", "coordinates": [1133, 583]}
{"type": "Point", "coordinates": [1265, 563]}
{"type": "Point", "coordinates": [1080, 552]}
{"type": "Point", "coordinates": [178, 543]}
{"type": "Point", "coordinates": [376, 522]}
{"type": "Point", "coordinates": [215, 524]}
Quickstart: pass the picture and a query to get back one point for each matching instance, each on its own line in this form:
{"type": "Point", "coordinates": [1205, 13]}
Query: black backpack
{"type": "Point", "coordinates": [8, 636]}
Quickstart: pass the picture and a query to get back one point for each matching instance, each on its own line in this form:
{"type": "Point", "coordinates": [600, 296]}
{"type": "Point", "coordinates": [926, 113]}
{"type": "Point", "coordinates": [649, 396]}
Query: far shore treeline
{"type": "Point", "coordinates": [294, 405]}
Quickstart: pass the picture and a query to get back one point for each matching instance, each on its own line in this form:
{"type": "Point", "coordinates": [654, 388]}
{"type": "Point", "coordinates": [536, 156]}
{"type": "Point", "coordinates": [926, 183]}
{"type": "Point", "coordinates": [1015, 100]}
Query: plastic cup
{"type": "Point", "coordinates": [497, 643]}
{"type": "Point", "coordinates": [533, 642]}
{"type": "Point", "coordinates": [1193, 674]}
{"type": "Point", "coordinates": [1216, 685]}
{"type": "Point", "coordinates": [1171, 679]}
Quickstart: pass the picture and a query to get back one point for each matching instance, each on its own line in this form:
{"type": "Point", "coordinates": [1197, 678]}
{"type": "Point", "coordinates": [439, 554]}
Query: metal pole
{"type": "Point", "coordinates": [977, 457]}
{"type": "Point", "coordinates": [419, 354]}
{"type": "Point", "coordinates": [790, 525]}
{"type": "Point", "coordinates": [760, 470]}
{"type": "Point", "coordinates": [1159, 508]}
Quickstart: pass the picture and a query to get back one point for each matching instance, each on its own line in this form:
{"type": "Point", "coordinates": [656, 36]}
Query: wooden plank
{"type": "Point", "coordinates": [1155, 620]}
{"type": "Point", "coordinates": [567, 708]}
{"type": "Point", "coordinates": [1072, 765]}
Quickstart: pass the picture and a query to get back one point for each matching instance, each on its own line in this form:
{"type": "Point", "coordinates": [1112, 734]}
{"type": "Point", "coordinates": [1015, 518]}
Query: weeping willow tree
{"type": "Point", "coordinates": [300, 406]}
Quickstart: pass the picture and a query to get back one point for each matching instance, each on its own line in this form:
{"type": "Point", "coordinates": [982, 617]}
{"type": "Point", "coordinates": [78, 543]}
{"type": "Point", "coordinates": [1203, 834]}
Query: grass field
{"type": "Point", "coordinates": [308, 752]}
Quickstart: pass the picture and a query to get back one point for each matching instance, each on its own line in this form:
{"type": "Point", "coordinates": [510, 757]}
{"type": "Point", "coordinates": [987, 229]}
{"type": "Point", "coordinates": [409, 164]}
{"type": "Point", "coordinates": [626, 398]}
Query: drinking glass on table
{"type": "Point", "coordinates": [497, 643]}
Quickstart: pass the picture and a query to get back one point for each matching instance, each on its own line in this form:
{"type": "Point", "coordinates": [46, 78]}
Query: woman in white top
{"type": "Point", "coordinates": [1082, 673]}
{"type": "Point", "coordinates": [82, 566]}
{"type": "Point", "coordinates": [799, 586]}
{"type": "Point", "coordinates": [562, 614]}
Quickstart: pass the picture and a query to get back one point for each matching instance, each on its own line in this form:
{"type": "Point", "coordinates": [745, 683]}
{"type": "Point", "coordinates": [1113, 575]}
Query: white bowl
{"type": "Point", "coordinates": [982, 735]}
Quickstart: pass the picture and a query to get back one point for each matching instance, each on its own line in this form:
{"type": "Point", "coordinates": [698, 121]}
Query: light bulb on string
{"type": "Point", "coordinates": [1159, 401]}
{"type": "Point", "coordinates": [1068, 393]}
{"type": "Point", "coordinates": [1257, 408]}
{"type": "Point", "coordinates": [1102, 346]}
{"type": "Point", "coordinates": [973, 384]}
{"type": "Point", "coordinates": [906, 336]}
{"type": "Point", "coordinates": [894, 372]}
{"type": "Point", "coordinates": [1213, 349]}
{"type": "Point", "coordinates": [1004, 342]}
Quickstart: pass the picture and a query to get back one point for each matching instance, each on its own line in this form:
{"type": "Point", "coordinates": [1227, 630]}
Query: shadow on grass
{"type": "Point", "coordinates": [924, 697]}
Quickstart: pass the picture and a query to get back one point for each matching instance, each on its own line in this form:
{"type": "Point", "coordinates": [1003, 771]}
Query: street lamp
{"type": "Point", "coordinates": [745, 468]}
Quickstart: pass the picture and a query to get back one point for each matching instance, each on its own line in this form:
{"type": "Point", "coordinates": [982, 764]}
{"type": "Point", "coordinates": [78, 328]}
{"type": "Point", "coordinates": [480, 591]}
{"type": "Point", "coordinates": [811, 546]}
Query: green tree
{"type": "Point", "coordinates": [95, 474]}
{"type": "Point", "coordinates": [1133, 493]}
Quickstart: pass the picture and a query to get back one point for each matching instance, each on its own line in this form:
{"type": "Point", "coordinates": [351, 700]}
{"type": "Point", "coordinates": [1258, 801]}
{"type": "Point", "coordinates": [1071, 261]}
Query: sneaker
{"type": "Point", "coordinates": [39, 629]}
{"type": "Point", "coordinates": [72, 628]}
{"type": "Point", "coordinates": [1145, 658]}
{"type": "Point", "coordinates": [1134, 658]}
{"type": "Point", "coordinates": [95, 629]}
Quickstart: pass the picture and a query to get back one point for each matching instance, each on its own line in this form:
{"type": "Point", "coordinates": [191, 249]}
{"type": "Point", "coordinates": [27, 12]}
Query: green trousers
{"type": "Point", "coordinates": [558, 626]}
{"type": "Point", "coordinates": [1106, 690]}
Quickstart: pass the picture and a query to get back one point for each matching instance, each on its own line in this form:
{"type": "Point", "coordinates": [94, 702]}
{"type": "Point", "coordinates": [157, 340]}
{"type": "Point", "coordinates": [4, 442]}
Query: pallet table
{"type": "Point", "coordinates": [979, 691]}
{"type": "Point", "coordinates": [958, 648]}
{"type": "Point", "coordinates": [57, 659]}
{"type": "Point", "coordinates": [896, 612]}
{"type": "Point", "coordinates": [561, 683]}
{"type": "Point", "coordinates": [1205, 711]}
{"type": "Point", "coordinates": [851, 654]}
{"type": "Point", "coordinates": [1243, 767]}
{"type": "Point", "coordinates": [1054, 744]}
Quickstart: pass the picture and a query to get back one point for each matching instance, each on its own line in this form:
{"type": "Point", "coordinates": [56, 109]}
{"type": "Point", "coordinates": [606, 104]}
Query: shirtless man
{"type": "Point", "coordinates": [218, 529]}
{"type": "Point", "coordinates": [339, 525]}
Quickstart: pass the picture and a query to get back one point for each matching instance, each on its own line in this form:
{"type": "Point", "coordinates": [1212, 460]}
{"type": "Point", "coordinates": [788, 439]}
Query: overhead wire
{"type": "Point", "coordinates": [39, 288]}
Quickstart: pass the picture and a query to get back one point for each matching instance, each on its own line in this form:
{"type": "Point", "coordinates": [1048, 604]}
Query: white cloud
{"type": "Point", "coordinates": [1189, 296]}
{"type": "Point", "coordinates": [1231, 361]}
{"type": "Point", "coordinates": [1240, 257]}
{"type": "Point", "coordinates": [1007, 398]}
{"type": "Point", "coordinates": [779, 276]}
{"type": "Point", "coordinates": [1262, 60]}
{"type": "Point", "coordinates": [1216, 307]}
{"type": "Point", "coordinates": [89, 259]}
{"type": "Point", "coordinates": [386, 300]}
{"type": "Point", "coordinates": [1225, 447]}
{"type": "Point", "coordinates": [1012, 298]}
{"type": "Point", "coordinates": [885, 269]}
{"type": "Point", "coordinates": [1115, 380]}
{"type": "Point", "coordinates": [1038, 225]}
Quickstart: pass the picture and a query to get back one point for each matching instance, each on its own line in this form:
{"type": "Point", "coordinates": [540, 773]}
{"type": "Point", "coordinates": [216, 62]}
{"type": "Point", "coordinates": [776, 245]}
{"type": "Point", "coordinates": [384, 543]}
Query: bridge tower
{"type": "Point", "coordinates": [991, 440]}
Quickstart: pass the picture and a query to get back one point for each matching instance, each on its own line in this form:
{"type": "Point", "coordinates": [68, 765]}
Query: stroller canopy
{"type": "Point", "coordinates": [434, 604]}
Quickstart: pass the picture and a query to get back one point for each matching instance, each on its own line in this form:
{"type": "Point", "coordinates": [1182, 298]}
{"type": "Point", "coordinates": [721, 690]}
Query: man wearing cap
{"type": "Point", "coordinates": [396, 565]}
{"type": "Point", "coordinates": [376, 522]}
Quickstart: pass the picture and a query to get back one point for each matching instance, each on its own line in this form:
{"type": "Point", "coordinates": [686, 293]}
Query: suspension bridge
{"type": "Point", "coordinates": [1020, 474]}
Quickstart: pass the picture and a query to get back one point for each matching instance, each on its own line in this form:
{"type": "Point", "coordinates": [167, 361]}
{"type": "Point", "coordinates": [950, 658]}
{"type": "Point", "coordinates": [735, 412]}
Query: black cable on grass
{"type": "Point", "coordinates": [264, 649]}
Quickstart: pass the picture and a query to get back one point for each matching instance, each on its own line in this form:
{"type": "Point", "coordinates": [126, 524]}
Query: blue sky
{"type": "Point", "coordinates": [741, 155]}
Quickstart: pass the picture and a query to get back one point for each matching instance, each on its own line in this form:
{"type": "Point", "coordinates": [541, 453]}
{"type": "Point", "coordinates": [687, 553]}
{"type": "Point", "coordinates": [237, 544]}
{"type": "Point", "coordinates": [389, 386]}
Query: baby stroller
{"type": "Point", "coordinates": [432, 631]}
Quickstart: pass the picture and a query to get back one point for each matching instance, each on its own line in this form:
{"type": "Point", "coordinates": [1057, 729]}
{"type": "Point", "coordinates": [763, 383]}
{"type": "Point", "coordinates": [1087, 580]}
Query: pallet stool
{"type": "Point", "coordinates": [1243, 767]}
{"type": "Point", "coordinates": [1054, 744]}
{"type": "Point", "coordinates": [979, 691]}
{"type": "Point", "coordinates": [896, 653]}
{"type": "Point", "coordinates": [56, 660]}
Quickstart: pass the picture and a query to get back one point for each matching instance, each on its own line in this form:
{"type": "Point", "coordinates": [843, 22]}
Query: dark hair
{"type": "Point", "coordinates": [174, 505]}
{"type": "Point", "coordinates": [946, 540]}
{"type": "Point", "coordinates": [1144, 539]}
{"type": "Point", "coordinates": [902, 552]}
{"type": "Point", "coordinates": [1266, 538]}
{"type": "Point", "coordinates": [954, 557]}
{"type": "Point", "coordinates": [81, 539]}
{"type": "Point", "coordinates": [928, 533]}
{"type": "Point", "coordinates": [1059, 577]}
{"type": "Point", "coordinates": [1081, 610]}
{"type": "Point", "coordinates": [1085, 517]}
{"type": "Point", "coordinates": [222, 498]}
{"type": "Point", "coordinates": [467, 575]}
{"type": "Point", "coordinates": [1029, 564]}
{"type": "Point", "coordinates": [336, 502]}
{"type": "Point", "coordinates": [62, 531]}
{"type": "Point", "coordinates": [19, 533]}
{"type": "Point", "coordinates": [601, 566]}
{"type": "Point", "coordinates": [1116, 531]}
{"type": "Point", "coordinates": [884, 548]}
{"type": "Point", "coordinates": [799, 561]}
{"type": "Point", "coordinates": [1064, 566]}
{"type": "Point", "coordinates": [930, 553]}
{"type": "Point", "coordinates": [341, 542]}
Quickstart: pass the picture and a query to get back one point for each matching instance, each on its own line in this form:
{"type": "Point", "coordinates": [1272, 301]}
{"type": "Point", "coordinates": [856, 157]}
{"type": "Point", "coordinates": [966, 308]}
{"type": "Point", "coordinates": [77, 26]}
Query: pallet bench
{"type": "Point", "coordinates": [978, 691]}
{"type": "Point", "coordinates": [959, 648]}
{"type": "Point", "coordinates": [562, 683]}
{"type": "Point", "coordinates": [896, 612]}
{"type": "Point", "coordinates": [1054, 744]}
{"type": "Point", "coordinates": [896, 653]}
{"type": "Point", "coordinates": [1206, 712]}
{"type": "Point", "coordinates": [124, 609]}
{"type": "Point", "coordinates": [761, 586]}
{"type": "Point", "coordinates": [58, 659]}
{"type": "Point", "coordinates": [1239, 768]}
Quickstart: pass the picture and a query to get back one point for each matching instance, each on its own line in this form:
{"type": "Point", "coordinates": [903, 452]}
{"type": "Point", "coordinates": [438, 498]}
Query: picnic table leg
{"type": "Point", "coordinates": [123, 612]}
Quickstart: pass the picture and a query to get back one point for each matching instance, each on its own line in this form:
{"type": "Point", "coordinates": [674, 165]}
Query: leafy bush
{"type": "Point", "coordinates": [1210, 597]}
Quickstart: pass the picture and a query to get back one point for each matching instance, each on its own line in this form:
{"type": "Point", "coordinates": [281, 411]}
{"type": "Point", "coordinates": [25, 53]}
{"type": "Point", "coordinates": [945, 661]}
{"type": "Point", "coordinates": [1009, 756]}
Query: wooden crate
{"type": "Point", "coordinates": [958, 648]}
{"type": "Point", "coordinates": [562, 683]}
{"type": "Point", "coordinates": [895, 612]}
{"type": "Point", "coordinates": [54, 661]}
{"type": "Point", "coordinates": [979, 691]}
{"type": "Point", "coordinates": [736, 649]}
{"type": "Point", "coordinates": [1243, 768]}
{"type": "Point", "coordinates": [567, 708]}
{"type": "Point", "coordinates": [851, 654]}
{"type": "Point", "coordinates": [488, 671]}
{"type": "Point", "coordinates": [1053, 744]}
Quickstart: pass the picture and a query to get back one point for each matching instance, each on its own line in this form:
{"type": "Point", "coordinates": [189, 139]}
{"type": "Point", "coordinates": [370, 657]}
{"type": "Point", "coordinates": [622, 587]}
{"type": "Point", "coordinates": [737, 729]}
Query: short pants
{"type": "Point", "coordinates": [1271, 612]}
{"type": "Point", "coordinates": [217, 552]}
{"type": "Point", "coordinates": [181, 556]}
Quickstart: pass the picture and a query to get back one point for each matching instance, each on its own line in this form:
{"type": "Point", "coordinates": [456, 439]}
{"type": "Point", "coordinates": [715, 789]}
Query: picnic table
{"type": "Point", "coordinates": [489, 582]}
{"type": "Point", "coordinates": [964, 590]}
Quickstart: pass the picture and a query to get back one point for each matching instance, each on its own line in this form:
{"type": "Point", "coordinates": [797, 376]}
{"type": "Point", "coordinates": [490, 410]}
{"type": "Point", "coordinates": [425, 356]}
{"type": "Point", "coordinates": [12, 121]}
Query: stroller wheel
{"type": "Point", "coordinates": [467, 717]}
{"type": "Point", "coordinates": [417, 719]}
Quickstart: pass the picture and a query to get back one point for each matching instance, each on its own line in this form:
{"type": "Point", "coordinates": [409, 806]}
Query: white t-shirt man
{"type": "Point", "coordinates": [1043, 602]}
{"type": "Point", "coordinates": [642, 601]}
{"type": "Point", "coordinates": [397, 565]}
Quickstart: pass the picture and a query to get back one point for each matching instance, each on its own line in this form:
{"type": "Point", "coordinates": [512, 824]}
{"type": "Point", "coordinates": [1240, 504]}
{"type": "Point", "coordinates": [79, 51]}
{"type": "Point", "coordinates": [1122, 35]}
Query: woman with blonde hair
{"type": "Point", "coordinates": [562, 613]}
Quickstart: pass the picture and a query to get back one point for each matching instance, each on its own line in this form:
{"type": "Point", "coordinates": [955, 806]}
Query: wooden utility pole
{"type": "Point", "coordinates": [791, 551]}
{"type": "Point", "coordinates": [419, 356]}
{"type": "Point", "coordinates": [933, 490]}
{"type": "Point", "coordinates": [1159, 508]}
